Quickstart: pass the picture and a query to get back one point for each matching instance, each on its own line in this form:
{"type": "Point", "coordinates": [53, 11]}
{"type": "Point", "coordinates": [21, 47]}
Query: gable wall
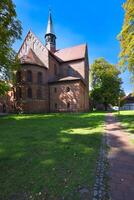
{"type": "Point", "coordinates": [31, 41]}
{"type": "Point", "coordinates": [76, 66]}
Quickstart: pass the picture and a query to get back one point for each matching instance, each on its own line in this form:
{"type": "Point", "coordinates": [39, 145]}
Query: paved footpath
{"type": "Point", "coordinates": [121, 160]}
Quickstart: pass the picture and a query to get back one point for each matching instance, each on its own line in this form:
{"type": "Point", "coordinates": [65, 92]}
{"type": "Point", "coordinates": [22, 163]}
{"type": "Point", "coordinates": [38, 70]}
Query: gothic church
{"type": "Point", "coordinates": [51, 80]}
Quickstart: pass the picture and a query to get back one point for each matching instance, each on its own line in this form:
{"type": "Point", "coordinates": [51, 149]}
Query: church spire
{"type": "Point", "coordinates": [50, 35]}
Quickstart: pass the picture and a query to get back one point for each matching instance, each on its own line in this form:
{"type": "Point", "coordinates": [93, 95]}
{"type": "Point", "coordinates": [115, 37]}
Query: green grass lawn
{"type": "Point", "coordinates": [48, 156]}
{"type": "Point", "coordinates": [127, 120]}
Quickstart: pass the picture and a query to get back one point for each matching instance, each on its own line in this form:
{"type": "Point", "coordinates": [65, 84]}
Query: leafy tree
{"type": "Point", "coordinates": [10, 30]}
{"type": "Point", "coordinates": [105, 83]}
{"type": "Point", "coordinates": [126, 37]}
{"type": "Point", "coordinates": [4, 87]}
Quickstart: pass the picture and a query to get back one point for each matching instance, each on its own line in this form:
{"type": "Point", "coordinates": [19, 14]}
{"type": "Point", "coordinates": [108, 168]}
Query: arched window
{"type": "Point", "coordinates": [55, 89]}
{"type": "Point", "coordinates": [70, 71]}
{"type": "Point", "coordinates": [19, 93]}
{"type": "Point", "coordinates": [18, 76]}
{"type": "Point", "coordinates": [29, 76]}
{"type": "Point", "coordinates": [39, 78]}
{"type": "Point", "coordinates": [68, 105]}
{"type": "Point", "coordinates": [67, 89]}
{"type": "Point", "coordinates": [14, 94]}
{"type": "Point", "coordinates": [4, 108]}
{"type": "Point", "coordinates": [29, 93]}
{"type": "Point", "coordinates": [55, 69]}
{"type": "Point", "coordinates": [39, 94]}
{"type": "Point", "coordinates": [55, 105]}
{"type": "Point", "coordinates": [34, 45]}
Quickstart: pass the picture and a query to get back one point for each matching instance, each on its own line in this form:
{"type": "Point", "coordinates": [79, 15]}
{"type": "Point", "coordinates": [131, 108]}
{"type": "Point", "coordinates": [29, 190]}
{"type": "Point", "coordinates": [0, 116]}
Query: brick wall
{"type": "Point", "coordinates": [34, 104]}
{"type": "Point", "coordinates": [52, 99]}
{"type": "Point", "coordinates": [8, 101]}
{"type": "Point", "coordinates": [73, 99]}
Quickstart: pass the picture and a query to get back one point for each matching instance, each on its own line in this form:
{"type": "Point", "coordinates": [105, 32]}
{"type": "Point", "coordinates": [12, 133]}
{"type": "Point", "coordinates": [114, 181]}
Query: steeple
{"type": "Point", "coordinates": [50, 35]}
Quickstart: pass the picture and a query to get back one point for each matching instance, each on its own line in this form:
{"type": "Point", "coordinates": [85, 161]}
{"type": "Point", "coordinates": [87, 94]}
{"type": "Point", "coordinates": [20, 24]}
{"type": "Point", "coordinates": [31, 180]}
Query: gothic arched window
{"type": "Point", "coordinates": [55, 89]}
{"type": "Point", "coordinates": [39, 94]}
{"type": "Point", "coordinates": [39, 78]}
{"type": "Point", "coordinates": [29, 93]}
{"type": "Point", "coordinates": [67, 89]}
{"type": "Point", "coordinates": [29, 76]}
{"type": "Point", "coordinates": [19, 92]}
{"type": "Point", "coordinates": [70, 71]}
{"type": "Point", "coordinates": [68, 105]}
{"type": "Point", "coordinates": [55, 105]}
{"type": "Point", "coordinates": [55, 69]}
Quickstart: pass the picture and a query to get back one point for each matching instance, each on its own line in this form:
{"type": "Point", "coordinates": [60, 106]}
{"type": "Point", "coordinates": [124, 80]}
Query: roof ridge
{"type": "Point", "coordinates": [72, 53]}
{"type": "Point", "coordinates": [83, 44]}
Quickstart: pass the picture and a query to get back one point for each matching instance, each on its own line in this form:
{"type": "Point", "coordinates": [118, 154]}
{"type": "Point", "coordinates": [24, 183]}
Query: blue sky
{"type": "Point", "coordinates": [94, 22]}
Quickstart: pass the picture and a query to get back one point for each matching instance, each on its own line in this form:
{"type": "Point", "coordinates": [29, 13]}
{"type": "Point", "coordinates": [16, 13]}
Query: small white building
{"type": "Point", "coordinates": [129, 103]}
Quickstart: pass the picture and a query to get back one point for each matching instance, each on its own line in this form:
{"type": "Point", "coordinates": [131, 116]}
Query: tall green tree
{"type": "Point", "coordinates": [105, 83]}
{"type": "Point", "coordinates": [10, 30]}
{"type": "Point", "coordinates": [126, 37]}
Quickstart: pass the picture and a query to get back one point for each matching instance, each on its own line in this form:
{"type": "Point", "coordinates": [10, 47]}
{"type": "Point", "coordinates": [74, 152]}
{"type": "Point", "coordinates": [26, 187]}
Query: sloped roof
{"type": "Point", "coordinates": [69, 78]}
{"type": "Point", "coordinates": [72, 53]}
{"type": "Point", "coordinates": [129, 98]}
{"type": "Point", "coordinates": [31, 58]}
{"type": "Point", "coordinates": [40, 51]}
{"type": "Point", "coordinates": [66, 79]}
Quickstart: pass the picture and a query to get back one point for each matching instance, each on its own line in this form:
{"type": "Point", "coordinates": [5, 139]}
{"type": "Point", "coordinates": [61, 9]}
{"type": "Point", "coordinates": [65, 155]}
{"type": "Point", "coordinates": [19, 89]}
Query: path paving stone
{"type": "Point", "coordinates": [121, 160]}
{"type": "Point", "coordinates": [101, 187]}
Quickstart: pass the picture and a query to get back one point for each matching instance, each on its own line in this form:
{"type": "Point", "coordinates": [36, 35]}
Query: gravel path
{"type": "Point", "coordinates": [121, 160]}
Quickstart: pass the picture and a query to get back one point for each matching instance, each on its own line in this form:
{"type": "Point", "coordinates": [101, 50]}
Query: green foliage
{"type": "Point", "coordinates": [10, 30]}
{"type": "Point", "coordinates": [48, 156]}
{"type": "Point", "coordinates": [106, 84]}
{"type": "Point", "coordinates": [122, 98]}
{"type": "Point", "coordinates": [4, 87]}
{"type": "Point", "coordinates": [126, 37]}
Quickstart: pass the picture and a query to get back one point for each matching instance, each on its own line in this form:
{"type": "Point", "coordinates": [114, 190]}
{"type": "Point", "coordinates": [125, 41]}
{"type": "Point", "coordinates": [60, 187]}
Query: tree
{"type": "Point", "coordinates": [10, 30]}
{"type": "Point", "coordinates": [4, 87]}
{"type": "Point", "coordinates": [105, 83]}
{"type": "Point", "coordinates": [126, 37]}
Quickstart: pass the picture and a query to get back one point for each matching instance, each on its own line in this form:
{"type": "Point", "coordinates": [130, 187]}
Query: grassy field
{"type": "Point", "coordinates": [48, 156]}
{"type": "Point", "coordinates": [127, 120]}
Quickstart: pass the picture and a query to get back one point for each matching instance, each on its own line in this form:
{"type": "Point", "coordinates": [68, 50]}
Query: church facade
{"type": "Point", "coordinates": [51, 80]}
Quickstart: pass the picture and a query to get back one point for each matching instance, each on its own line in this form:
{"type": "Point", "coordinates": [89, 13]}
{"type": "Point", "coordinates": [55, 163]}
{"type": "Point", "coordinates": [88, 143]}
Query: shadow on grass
{"type": "Point", "coordinates": [48, 156]}
{"type": "Point", "coordinates": [128, 122]}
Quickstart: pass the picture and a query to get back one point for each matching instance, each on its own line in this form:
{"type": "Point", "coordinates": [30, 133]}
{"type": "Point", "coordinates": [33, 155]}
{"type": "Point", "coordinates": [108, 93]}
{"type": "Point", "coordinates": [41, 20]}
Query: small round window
{"type": "Point", "coordinates": [68, 89]}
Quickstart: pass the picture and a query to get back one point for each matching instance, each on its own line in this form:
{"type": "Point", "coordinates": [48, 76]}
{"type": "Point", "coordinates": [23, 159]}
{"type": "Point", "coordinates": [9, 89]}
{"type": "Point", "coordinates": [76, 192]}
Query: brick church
{"type": "Point", "coordinates": [51, 79]}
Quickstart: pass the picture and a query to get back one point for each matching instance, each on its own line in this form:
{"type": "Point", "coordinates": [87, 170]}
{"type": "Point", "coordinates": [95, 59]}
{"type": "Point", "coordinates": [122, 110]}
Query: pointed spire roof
{"type": "Point", "coordinates": [50, 29]}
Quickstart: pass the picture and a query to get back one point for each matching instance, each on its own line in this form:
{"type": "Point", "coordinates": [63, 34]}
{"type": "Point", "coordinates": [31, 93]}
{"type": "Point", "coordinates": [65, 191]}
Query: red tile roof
{"type": "Point", "coordinates": [72, 53]}
{"type": "Point", "coordinates": [31, 58]}
{"type": "Point", "coordinates": [66, 79]}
